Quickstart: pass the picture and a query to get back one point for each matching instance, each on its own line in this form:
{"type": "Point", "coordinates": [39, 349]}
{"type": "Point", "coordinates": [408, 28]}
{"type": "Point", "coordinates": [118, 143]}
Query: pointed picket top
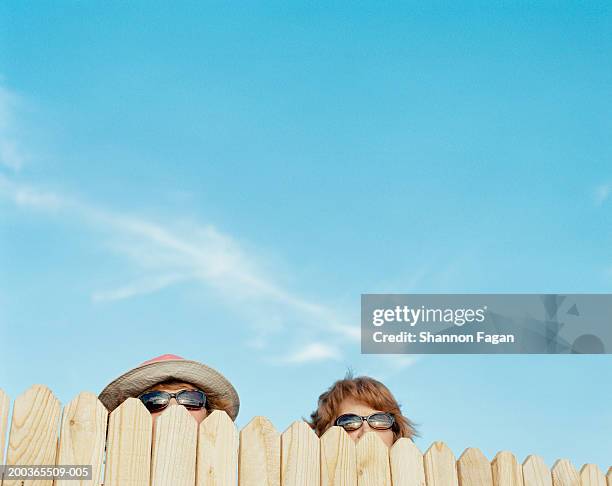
{"type": "Point", "coordinates": [338, 458]}
{"type": "Point", "coordinates": [128, 455]}
{"type": "Point", "coordinates": [474, 469]}
{"type": "Point", "coordinates": [591, 475]}
{"type": "Point", "coordinates": [565, 474]}
{"type": "Point", "coordinates": [34, 426]}
{"type": "Point", "coordinates": [217, 461]}
{"type": "Point", "coordinates": [5, 404]}
{"type": "Point", "coordinates": [535, 472]}
{"type": "Point", "coordinates": [259, 458]}
{"type": "Point", "coordinates": [373, 468]}
{"type": "Point", "coordinates": [83, 436]}
{"type": "Point", "coordinates": [506, 470]}
{"type": "Point", "coordinates": [439, 463]}
{"type": "Point", "coordinates": [406, 464]}
{"type": "Point", "coordinates": [300, 456]}
{"type": "Point", "coordinates": [175, 439]}
{"type": "Point", "coordinates": [609, 476]}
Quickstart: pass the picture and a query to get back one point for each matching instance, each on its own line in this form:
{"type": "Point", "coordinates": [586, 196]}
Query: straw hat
{"type": "Point", "coordinates": [169, 367]}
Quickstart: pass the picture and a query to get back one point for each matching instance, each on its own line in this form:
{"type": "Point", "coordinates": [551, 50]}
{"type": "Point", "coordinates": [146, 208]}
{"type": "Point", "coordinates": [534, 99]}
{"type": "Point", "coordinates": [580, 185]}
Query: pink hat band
{"type": "Point", "coordinates": [163, 357]}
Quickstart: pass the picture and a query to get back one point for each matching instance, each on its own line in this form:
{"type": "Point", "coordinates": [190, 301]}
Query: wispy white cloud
{"type": "Point", "coordinates": [164, 254]}
{"type": "Point", "coordinates": [312, 352]}
{"type": "Point", "coordinates": [11, 154]}
{"type": "Point", "coordinates": [139, 287]}
{"type": "Point", "coordinates": [170, 253]}
{"type": "Point", "coordinates": [257, 342]}
{"type": "Point", "coordinates": [384, 367]}
{"type": "Point", "coordinates": [28, 197]}
{"type": "Point", "coordinates": [602, 193]}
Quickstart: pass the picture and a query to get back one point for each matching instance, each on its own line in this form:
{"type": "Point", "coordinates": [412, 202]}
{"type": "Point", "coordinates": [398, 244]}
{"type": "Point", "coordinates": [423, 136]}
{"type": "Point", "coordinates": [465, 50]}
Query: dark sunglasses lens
{"type": "Point", "coordinates": [381, 421]}
{"type": "Point", "coordinates": [349, 422]}
{"type": "Point", "coordinates": [155, 401]}
{"type": "Point", "coordinates": [191, 398]}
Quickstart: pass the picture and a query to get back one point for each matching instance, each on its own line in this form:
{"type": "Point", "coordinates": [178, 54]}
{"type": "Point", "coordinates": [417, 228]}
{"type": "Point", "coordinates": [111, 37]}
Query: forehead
{"type": "Point", "coordinates": [350, 405]}
{"type": "Point", "coordinates": [173, 386]}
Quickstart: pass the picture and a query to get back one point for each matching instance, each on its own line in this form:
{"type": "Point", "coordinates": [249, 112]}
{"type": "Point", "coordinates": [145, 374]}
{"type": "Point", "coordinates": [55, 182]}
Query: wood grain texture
{"type": "Point", "coordinates": [338, 458]}
{"type": "Point", "coordinates": [506, 470]}
{"type": "Point", "coordinates": [473, 469]}
{"type": "Point", "coordinates": [175, 440]}
{"type": "Point", "coordinates": [406, 464]}
{"type": "Point", "coordinates": [83, 436]}
{"type": "Point", "coordinates": [300, 456]}
{"type": "Point", "coordinates": [259, 458]}
{"type": "Point", "coordinates": [217, 459]}
{"type": "Point", "coordinates": [440, 468]}
{"type": "Point", "coordinates": [591, 475]}
{"type": "Point", "coordinates": [565, 474]}
{"type": "Point", "coordinates": [128, 455]}
{"type": "Point", "coordinates": [373, 467]}
{"type": "Point", "coordinates": [34, 428]}
{"type": "Point", "coordinates": [181, 454]}
{"type": "Point", "coordinates": [5, 404]}
{"type": "Point", "coordinates": [535, 472]}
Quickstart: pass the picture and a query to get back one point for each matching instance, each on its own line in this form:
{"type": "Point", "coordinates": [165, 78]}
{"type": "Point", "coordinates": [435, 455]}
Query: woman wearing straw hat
{"type": "Point", "coordinates": [171, 379]}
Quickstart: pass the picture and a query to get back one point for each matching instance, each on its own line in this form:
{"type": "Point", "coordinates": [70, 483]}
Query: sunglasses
{"type": "Point", "coordinates": [156, 401]}
{"type": "Point", "coordinates": [378, 421]}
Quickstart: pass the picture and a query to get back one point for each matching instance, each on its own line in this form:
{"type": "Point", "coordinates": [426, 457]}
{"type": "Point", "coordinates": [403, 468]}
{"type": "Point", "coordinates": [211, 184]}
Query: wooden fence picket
{"type": "Point", "coordinates": [535, 472]}
{"type": "Point", "coordinates": [590, 475]}
{"type": "Point", "coordinates": [440, 468]}
{"type": "Point", "coordinates": [178, 452]}
{"type": "Point", "coordinates": [217, 459]}
{"type": "Point", "coordinates": [259, 457]}
{"type": "Point", "coordinates": [473, 469]}
{"type": "Point", "coordinates": [5, 404]}
{"type": "Point", "coordinates": [564, 474]}
{"type": "Point", "coordinates": [83, 436]}
{"type": "Point", "coordinates": [338, 458]}
{"type": "Point", "coordinates": [175, 439]}
{"type": "Point", "coordinates": [406, 464]}
{"type": "Point", "coordinates": [373, 467]}
{"type": "Point", "coordinates": [33, 435]}
{"type": "Point", "coordinates": [128, 455]}
{"type": "Point", "coordinates": [506, 470]}
{"type": "Point", "coordinates": [300, 456]}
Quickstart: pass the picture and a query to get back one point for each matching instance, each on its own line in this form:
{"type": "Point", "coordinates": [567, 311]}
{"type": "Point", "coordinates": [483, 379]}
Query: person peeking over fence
{"type": "Point", "coordinates": [170, 379]}
{"type": "Point", "coordinates": [361, 405]}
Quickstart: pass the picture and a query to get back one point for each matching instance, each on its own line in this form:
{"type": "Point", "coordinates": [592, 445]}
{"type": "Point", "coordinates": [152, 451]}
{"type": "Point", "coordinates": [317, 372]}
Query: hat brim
{"type": "Point", "coordinates": [140, 379]}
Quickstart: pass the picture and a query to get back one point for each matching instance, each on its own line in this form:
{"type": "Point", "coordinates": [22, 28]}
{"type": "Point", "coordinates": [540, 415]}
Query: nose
{"type": "Point", "coordinates": [365, 428]}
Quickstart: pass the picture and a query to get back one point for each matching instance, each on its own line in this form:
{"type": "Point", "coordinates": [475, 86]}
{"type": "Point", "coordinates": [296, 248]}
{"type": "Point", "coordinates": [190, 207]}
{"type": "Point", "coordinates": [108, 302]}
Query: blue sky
{"type": "Point", "coordinates": [224, 181]}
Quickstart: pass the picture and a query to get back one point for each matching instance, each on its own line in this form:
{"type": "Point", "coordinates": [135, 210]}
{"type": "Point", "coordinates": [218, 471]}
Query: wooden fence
{"type": "Point", "coordinates": [125, 452]}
